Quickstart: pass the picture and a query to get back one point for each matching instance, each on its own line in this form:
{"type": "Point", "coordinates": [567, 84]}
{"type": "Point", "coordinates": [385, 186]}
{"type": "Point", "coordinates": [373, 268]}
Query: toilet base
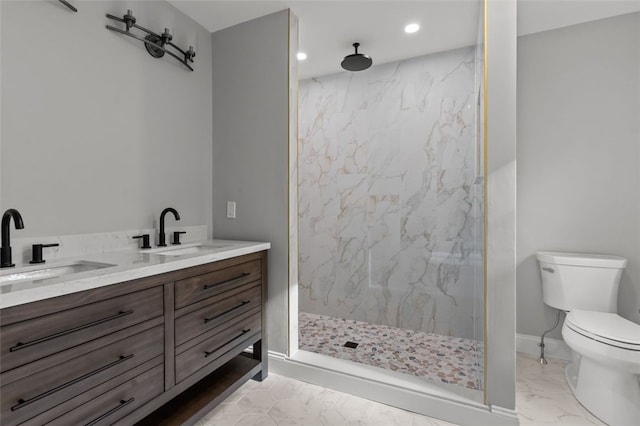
{"type": "Point", "coordinates": [610, 394]}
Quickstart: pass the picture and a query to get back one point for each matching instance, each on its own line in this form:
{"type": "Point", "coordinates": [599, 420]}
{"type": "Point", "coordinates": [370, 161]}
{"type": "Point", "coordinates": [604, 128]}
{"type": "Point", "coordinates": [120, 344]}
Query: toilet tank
{"type": "Point", "coordinates": [580, 281]}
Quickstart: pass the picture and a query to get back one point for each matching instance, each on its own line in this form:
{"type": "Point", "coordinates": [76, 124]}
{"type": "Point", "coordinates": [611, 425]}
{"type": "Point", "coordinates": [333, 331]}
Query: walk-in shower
{"type": "Point", "coordinates": [390, 217]}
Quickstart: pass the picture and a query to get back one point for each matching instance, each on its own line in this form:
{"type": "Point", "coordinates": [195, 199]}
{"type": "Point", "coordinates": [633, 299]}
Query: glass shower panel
{"type": "Point", "coordinates": [478, 192]}
{"type": "Point", "coordinates": [390, 217]}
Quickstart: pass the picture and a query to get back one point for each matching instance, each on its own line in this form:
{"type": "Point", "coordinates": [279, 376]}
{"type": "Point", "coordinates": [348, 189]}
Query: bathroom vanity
{"type": "Point", "coordinates": [161, 348]}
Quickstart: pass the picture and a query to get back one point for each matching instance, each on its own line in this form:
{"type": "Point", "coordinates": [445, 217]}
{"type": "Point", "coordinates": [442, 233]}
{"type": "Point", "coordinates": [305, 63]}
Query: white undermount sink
{"type": "Point", "coordinates": [185, 249]}
{"type": "Point", "coordinates": [44, 271]}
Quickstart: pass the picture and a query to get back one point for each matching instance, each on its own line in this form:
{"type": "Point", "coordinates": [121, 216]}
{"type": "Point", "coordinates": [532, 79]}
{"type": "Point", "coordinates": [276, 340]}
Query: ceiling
{"type": "Point", "coordinates": [329, 27]}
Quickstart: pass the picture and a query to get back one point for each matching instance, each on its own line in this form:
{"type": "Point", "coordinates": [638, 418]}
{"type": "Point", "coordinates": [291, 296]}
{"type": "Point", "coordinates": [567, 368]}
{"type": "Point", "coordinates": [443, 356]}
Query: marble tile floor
{"type": "Point", "coordinates": [543, 398]}
{"type": "Point", "coordinates": [445, 359]}
{"type": "Point", "coordinates": [279, 400]}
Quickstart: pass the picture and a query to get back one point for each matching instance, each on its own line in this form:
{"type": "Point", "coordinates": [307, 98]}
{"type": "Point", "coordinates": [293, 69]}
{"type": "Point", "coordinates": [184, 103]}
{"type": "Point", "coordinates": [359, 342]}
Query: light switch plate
{"type": "Point", "coordinates": [231, 209]}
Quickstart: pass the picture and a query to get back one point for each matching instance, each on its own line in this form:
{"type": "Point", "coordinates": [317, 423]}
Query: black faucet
{"type": "Point", "coordinates": [161, 236]}
{"type": "Point", "coordinates": [5, 251]}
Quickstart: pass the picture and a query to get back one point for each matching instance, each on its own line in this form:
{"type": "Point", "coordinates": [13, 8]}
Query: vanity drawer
{"type": "Point", "coordinates": [87, 397]}
{"type": "Point", "coordinates": [237, 332]}
{"type": "Point", "coordinates": [218, 310]}
{"type": "Point", "coordinates": [29, 340]}
{"type": "Point", "coordinates": [31, 395]}
{"type": "Point", "coordinates": [203, 286]}
{"type": "Point", "coordinates": [111, 406]}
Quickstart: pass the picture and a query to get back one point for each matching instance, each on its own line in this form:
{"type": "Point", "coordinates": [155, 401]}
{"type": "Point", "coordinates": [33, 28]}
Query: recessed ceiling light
{"type": "Point", "coordinates": [411, 28]}
{"type": "Point", "coordinates": [301, 56]}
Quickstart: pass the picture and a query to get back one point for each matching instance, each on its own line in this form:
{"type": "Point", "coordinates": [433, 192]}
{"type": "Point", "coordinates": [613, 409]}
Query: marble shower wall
{"type": "Point", "coordinates": [388, 202]}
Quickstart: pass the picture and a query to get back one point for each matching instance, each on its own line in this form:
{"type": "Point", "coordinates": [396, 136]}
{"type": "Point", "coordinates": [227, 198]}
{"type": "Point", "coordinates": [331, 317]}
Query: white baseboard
{"type": "Point", "coordinates": [385, 387]}
{"type": "Point", "coordinates": [273, 355]}
{"type": "Point", "coordinates": [553, 348]}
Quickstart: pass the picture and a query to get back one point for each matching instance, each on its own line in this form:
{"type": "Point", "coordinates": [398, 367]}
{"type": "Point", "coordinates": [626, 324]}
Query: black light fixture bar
{"type": "Point", "coordinates": [69, 5]}
{"type": "Point", "coordinates": [155, 43]}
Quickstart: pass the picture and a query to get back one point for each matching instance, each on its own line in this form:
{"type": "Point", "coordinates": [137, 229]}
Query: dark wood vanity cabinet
{"type": "Point", "coordinates": [161, 350]}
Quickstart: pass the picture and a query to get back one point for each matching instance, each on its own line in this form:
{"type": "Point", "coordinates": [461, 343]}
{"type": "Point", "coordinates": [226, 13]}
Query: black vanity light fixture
{"type": "Point", "coordinates": [69, 5]}
{"type": "Point", "coordinates": [156, 44]}
{"type": "Point", "coordinates": [356, 61]}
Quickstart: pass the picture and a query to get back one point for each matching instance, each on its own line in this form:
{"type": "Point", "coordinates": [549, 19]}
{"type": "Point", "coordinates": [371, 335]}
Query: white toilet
{"type": "Point", "coordinates": [604, 372]}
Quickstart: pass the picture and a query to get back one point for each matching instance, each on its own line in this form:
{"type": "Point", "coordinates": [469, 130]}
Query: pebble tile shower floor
{"type": "Point", "coordinates": [445, 359]}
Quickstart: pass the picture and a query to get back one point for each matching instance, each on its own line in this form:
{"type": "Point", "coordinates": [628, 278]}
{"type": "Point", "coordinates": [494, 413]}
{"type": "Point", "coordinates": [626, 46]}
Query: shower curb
{"type": "Point", "coordinates": [461, 410]}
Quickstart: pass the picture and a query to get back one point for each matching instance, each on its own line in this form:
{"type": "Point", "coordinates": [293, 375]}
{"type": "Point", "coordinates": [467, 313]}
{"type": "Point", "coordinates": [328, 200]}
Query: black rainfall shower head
{"type": "Point", "coordinates": [356, 61]}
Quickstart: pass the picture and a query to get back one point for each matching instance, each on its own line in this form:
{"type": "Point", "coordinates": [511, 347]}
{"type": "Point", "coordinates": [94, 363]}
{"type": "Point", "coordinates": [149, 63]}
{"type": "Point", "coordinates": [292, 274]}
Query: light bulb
{"type": "Point", "coordinates": [411, 28]}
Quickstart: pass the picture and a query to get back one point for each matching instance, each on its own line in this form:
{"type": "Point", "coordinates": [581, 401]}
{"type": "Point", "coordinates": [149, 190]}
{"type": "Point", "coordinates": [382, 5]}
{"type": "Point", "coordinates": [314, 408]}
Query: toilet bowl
{"type": "Point", "coordinates": [604, 372]}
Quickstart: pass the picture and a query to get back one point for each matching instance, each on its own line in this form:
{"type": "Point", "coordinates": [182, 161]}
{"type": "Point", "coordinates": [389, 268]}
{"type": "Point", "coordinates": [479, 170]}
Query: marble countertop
{"type": "Point", "coordinates": [122, 265]}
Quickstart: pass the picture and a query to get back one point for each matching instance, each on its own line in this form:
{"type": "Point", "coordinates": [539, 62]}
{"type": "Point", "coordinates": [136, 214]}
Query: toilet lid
{"type": "Point", "coordinates": [605, 327]}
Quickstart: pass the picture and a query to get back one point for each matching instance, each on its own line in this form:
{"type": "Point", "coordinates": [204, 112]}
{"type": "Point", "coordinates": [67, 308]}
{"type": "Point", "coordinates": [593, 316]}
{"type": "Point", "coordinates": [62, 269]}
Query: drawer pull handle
{"type": "Point", "coordinates": [122, 404]}
{"type": "Point", "coordinates": [244, 274]}
{"type": "Point", "coordinates": [244, 302]}
{"type": "Point", "coordinates": [24, 402]}
{"type": "Point", "coordinates": [21, 345]}
{"type": "Point", "coordinates": [207, 353]}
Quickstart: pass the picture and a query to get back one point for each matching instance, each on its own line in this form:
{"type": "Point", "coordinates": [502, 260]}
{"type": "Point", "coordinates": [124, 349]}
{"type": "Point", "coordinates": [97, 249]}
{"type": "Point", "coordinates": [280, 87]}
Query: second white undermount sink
{"type": "Point", "coordinates": [44, 271]}
{"type": "Point", "coordinates": [185, 249]}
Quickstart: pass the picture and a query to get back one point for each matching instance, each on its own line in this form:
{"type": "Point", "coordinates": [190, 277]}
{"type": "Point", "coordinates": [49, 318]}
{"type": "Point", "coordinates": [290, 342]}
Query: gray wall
{"type": "Point", "coordinates": [96, 134]}
{"type": "Point", "coordinates": [578, 155]}
{"type": "Point", "coordinates": [501, 203]}
{"type": "Point", "coordinates": [251, 146]}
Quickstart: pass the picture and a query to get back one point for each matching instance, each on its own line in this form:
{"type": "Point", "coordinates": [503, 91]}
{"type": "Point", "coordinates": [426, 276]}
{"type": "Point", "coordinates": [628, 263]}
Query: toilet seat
{"type": "Point", "coordinates": [610, 329]}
